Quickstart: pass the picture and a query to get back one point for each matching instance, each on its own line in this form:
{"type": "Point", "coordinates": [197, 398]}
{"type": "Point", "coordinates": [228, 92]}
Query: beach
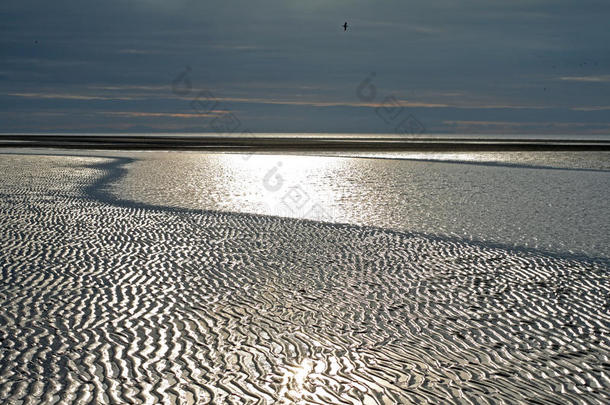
{"type": "Point", "coordinates": [146, 277]}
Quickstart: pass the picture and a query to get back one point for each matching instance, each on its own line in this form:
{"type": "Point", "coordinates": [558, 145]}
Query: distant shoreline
{"type": "Point", "coordinates": [279, 143]}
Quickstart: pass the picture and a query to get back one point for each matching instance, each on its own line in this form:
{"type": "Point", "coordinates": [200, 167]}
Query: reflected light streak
{"type": "Point", "coordinates": [294, 379]}
{"type": "Point", "coordinates": [284, 185]}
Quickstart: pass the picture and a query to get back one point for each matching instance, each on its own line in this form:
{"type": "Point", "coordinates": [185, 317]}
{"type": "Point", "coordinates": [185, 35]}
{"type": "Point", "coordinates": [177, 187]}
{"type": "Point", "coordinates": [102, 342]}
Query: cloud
{"type": "Point", "coordinates": [68, 96]}
{"type": "Point", "coordinates": [592, 108]}
{"type": "Point", "coordinates": [242, 47]}
{"type": "Point", "coordinates": [142, 114]}
{"type": "Point", "coordinates": [137, 51]}
{"type": "Point", "coordinates": [389, 102]}
{"type": "Point", "coordinates": [529, 124]}
{"type": "Point", "coordinates": [130, 87]}
{"type": "Point", "coordinates": [602, 78]}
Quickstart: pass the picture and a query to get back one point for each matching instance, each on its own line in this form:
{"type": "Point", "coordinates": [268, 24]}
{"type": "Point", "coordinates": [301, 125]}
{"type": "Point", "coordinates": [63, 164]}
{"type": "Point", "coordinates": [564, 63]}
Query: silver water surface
{"type": "Point", "coordinates": [542, 200]}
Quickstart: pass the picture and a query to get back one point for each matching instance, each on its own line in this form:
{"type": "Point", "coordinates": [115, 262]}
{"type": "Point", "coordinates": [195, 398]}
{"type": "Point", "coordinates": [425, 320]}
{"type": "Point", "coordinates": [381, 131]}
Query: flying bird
{"type": "Point", "coordinates": [345, 26]}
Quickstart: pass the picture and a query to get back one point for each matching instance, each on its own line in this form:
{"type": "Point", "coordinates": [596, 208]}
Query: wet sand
{"type": "Point", "coordinates": [116, 301]}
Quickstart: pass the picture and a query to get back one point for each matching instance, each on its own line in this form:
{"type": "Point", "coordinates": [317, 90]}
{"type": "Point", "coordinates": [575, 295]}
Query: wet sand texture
{"type": "Point", "coordinates": [108, 300]}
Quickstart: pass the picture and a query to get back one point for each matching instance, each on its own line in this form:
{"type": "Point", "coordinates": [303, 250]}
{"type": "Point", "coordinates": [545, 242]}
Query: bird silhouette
{"type": "Point", "coordinates": [345, 26]}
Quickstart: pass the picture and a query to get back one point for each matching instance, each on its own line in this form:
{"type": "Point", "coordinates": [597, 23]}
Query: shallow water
{"type": "Point", "coordinates": [552, 201]}
{"type": "Point", "coordinates": [112, 299]}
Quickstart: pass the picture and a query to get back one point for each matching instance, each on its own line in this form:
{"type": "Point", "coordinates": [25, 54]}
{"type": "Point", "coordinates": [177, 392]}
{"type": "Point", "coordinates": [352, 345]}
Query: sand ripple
{"type": "Point", "coordinates": [111, 302]}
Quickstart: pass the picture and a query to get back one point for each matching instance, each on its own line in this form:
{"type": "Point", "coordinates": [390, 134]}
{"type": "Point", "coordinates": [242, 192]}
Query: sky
{"type": "Point", "coordinates": [237, 66]}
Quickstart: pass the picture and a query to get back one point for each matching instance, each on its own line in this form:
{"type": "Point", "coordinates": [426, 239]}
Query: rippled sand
{"type": "Point", "coordinates": [108, 300]}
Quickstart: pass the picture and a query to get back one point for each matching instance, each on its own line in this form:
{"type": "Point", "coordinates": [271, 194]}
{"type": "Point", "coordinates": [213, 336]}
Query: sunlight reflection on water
{"type": "Point", "coordinates": [563, 210]}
